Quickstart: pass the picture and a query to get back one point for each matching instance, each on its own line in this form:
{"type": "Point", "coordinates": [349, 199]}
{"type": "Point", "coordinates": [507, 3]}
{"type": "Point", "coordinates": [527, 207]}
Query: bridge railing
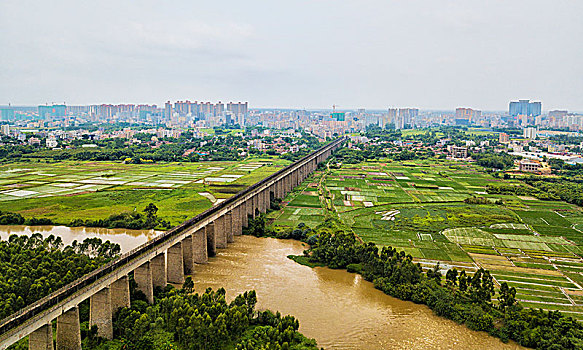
{"type": "Point", "coordinates": [61, 294]}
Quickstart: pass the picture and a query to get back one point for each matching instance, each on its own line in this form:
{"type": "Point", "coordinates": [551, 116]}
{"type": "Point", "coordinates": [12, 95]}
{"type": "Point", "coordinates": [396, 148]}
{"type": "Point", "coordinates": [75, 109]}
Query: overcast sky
{"type": "Point", "coordinates": [297, 53]}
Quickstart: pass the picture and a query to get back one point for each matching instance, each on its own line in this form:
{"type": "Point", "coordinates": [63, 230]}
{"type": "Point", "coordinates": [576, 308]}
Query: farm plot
{"type": "Point", "coordinates": [472, 236]}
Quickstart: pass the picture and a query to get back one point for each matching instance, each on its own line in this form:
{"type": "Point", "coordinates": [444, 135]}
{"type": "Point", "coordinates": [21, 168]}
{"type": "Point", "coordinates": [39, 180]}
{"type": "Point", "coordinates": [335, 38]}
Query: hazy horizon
{"type": "Point", "coordinates": [372, 54]}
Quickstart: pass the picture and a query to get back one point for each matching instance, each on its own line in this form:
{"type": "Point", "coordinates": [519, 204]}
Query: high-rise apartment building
{"type": "Point", "coordinates": [392, 115]}
{"type": "Point", "coordinates": [465, 116]}
{"type": "Point", "coordinates": [219, 108]}
{"type": "Point", "coordinates": [406, 117]}
{"type": "Point", "coordinates": [525, 108]}
{"type": "Point", "coordinates": [237, 108]}
{"type": "Point", "coordinates": [530, 133]}
{"type": "Point", "coordinates": [46, 112]}
{"type": "Point", "coordinates": [182, 107]}
{"type": "Point", "coordinates": [168, 110]}
{"type": "Point", "coordinates": [7, 113]}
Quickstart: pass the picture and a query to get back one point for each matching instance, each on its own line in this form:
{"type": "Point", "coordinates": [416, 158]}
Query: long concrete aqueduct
{"type": "Point", "coordinates": [165, 259]}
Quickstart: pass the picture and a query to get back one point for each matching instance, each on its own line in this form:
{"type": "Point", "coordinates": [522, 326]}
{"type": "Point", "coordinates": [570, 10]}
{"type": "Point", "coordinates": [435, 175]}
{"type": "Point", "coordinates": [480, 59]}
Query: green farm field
{"type": "Point", "coordinates": [419, 207]}
{"type": "Point", "coordinates": [94, 190]}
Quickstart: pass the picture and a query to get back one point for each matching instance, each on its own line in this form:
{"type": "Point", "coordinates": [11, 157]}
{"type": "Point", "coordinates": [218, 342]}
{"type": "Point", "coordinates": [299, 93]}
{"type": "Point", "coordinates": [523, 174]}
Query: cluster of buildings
{"type": "Point", "coordinates": [179, 114]}
{"type": "Point", "coordinates": [193, 114]}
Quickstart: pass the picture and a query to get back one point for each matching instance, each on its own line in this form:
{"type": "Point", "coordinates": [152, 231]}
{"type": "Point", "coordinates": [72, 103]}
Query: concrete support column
{"type": "Point", "coordinates": [143, 278]}
{"type": "Point", "coordinates": [187, 256]}
{"type": "Point", "coordinates": [254, 206]}
{"type": "Point", "coordinates": [199, 247]}
{"type": "Point", "coordinates": [262, 204]}
{"type": "Point", "coordinates": [158, 266]}
{"type": "Point", "coordinates": [42, 338]}
{"type": "Point", "coordinates": [211, 242]}
{"type": "Point", "coordinates": [229, 227]}
{"type": "Point", "coordinates": [267, 198]}
{"type": "Point", "coordinates": [220, 233]}
{"type": "Point", "coordinates": [249, 209]}
{"type": "Point", "coordinates": [259, 201]}
{"type": "Point", "coordinates": [120, 294]}
{"type": "Point", "coordinates": [100, 313]}
{"type": "Point", "coordinates": [278, 189]}
{"type": "Point", "coordinates": [175, 267]}
{"type": "Point", "coordinates": [244, 213]}
{"type": "Point", "coordinates": [238, 220]}
{"type": "Point", "coordinates": [69, 330]}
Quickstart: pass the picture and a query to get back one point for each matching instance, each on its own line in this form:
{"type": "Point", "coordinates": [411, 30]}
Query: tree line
{"type": "Point", "coordinates": [146, 220]}
{"type": "Point", "coordinates": [32, 267]}
{"type": "Point", "coordinates": [182, 319]}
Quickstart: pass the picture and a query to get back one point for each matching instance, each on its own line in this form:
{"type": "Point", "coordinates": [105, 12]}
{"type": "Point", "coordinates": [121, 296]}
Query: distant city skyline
{"type": "Point", "coordinates": [374, 54]}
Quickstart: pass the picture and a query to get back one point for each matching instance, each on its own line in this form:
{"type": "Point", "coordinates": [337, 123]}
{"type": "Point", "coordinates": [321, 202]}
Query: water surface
{"type": "Point", "coordinates": [127, 239]}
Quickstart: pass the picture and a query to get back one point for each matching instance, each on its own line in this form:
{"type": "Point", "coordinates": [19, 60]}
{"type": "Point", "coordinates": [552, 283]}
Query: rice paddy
{"type": "Point", "coordinates": [93, 190]}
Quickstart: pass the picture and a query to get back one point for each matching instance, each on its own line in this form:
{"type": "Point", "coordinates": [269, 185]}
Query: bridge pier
{"type": "Point", "coordinates": [250, 210]}
{"type": "Point", "coordinates": [253, 206]}
{"type": "Point", "coordinates": [199, 247]}
{"type": "Point", "coordinates": [237, 220]}
{"type": "Point", "coordinates": [220, 233]}
{"type": "Point", "coordinates": [187, 255]}
{"type": "Point", "coordinates": [267, 199]}
{"type": "Point", "coordinates": [288, 184]}
{"type": "Point", "coordinates": [42, 338]}
{"type": "Point", "coordinates": [120, 294]}
{"type": "Point", "coordinates": [210, 239]}
{"type": "Point", "coordinates": [259, 202]}
{"type": "Point", "coordinates": [143, 278]}
{"type": "Point", "coordinates": [243, 215]}
{"type": "Point", "coordinates": [229, 227]}
{"type": "Point", "coordinates": [158, 267]}
{"type": "Point", "coordinates": [100, 313]}
{"type": "Point", "coordinates": [175, 266]}
{"type": "Point", "coordinates": [69, 330]}
{"type": "Point", "coordinates": [281, 189]}
{"type": "Point", "coordinates": [263, 202]}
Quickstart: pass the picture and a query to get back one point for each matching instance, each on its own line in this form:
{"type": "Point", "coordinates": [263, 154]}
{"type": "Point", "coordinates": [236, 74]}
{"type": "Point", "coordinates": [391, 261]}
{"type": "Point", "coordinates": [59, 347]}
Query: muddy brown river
{"type": "Point", "coordinates": [127, 239]}
{"type": "Point", "coordinates": [339, 309]}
